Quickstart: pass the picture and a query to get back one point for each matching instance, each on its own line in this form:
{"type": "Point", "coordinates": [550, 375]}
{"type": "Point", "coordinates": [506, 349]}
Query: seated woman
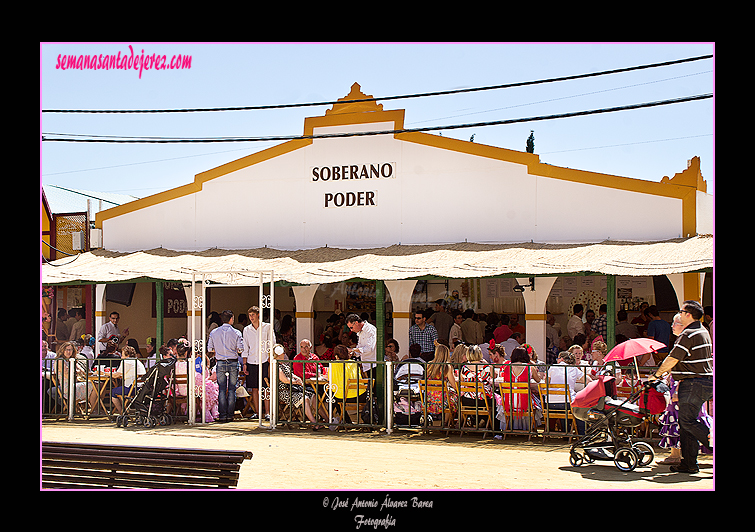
{"type": "Point", "coordinates": [598, 353]}
{"type": "Point", "coordinates": [109, 358]}
{"type": "Point", "coordinates": [476, 370]}
{"type": "Point", "coordinates": [518, 369]}
{"type": "Point", "coordinates": [129, 370]}
{"type": "Point", "coordinates": [566, 371]}
{"type": "Point", "coordinates": [65, 360]}
{"type": "Point", "coordinates": [440, 368]}
{"type": "Point", "coordinates": [291, 388]}
{"type": "Point", "coordinates": [339, 373]}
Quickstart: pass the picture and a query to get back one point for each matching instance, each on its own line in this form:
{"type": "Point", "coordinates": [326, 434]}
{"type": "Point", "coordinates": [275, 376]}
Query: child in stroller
{"type": "Point", "coordinates": [610, 422]}
{"type": "Point", "coordinates": [407, 400]}
{"type": "Point", "coordinates": [148, 406]}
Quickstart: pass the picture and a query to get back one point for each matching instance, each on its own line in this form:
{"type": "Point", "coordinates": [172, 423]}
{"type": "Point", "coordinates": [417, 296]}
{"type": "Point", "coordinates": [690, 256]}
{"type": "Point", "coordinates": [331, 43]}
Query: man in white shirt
{"type": "Point", "coordinates": [110, 329]}
{"type": "Point", "coordinates": [366, 347]}
{"type": "Point", "coordinates": [575, 325]}
{"type": "Point", "coordinates": [251, 358]}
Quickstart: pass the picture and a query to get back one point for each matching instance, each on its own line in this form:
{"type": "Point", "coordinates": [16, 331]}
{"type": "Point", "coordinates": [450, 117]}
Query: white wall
{"type": "Point", "coordinates": [433, 196]}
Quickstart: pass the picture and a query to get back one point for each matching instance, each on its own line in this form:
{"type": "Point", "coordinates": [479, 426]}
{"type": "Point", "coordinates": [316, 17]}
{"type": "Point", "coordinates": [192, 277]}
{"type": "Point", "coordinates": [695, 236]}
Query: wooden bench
{"type": "Point", "coordinates": [99, 466]}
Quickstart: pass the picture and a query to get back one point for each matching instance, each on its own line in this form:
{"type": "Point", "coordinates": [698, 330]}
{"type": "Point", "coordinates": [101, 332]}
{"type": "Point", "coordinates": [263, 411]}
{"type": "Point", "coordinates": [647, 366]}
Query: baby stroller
{"type": "Point", "coordinates": [148, 407]}
{"type": "Point", "coordinates": [407, 399]}
{"type": "Point", "coordinates": [610, 421]}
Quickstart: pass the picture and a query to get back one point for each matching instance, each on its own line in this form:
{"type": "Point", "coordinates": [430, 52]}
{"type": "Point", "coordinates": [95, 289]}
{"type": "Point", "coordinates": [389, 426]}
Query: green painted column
{"type": "Point", "coordinates": [159, 313]}
{"type": "Point", "coordinates": [611, 310]}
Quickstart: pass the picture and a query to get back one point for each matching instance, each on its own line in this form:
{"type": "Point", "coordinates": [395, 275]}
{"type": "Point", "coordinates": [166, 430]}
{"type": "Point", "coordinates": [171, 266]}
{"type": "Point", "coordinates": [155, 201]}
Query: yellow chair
{"type": "Point", "coordinates": [481, 408]}
{"type": "Point", "coordinates": [360, 385]}
{"type": "Point", "coordinates": [559, 393]}
{"type": "Point", "coordinates": [516, 392]}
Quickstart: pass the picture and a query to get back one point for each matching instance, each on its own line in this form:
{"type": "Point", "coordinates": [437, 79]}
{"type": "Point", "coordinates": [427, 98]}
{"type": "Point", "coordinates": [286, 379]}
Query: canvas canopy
{"type": "Point", "coordinates": [329, 265]}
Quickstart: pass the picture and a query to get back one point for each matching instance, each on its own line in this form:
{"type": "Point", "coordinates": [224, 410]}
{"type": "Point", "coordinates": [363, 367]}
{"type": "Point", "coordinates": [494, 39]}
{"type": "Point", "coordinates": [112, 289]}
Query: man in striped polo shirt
{"type": "Point", "coordinates": [690, 363]}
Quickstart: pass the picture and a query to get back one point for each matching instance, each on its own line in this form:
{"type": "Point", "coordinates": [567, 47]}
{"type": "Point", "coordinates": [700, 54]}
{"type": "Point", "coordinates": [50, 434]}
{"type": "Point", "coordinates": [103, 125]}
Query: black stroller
{"type": "Point", "coordinates": [407, 399]}
{"type": "Point", "coordinates": [148, 407]}
{"type": "Point", "coordinates": [610, 423]}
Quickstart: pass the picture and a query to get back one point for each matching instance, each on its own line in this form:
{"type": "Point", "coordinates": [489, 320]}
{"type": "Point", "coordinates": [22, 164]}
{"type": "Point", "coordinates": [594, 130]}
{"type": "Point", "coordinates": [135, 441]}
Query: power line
{"type": "Point", "coordinates": [386, 98]}
{"type": "Point", "coordinates": [68, 137]}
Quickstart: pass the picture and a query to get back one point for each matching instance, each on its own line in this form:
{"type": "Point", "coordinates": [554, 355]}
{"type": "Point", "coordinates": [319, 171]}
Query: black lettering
{"type": "Point", "coordinates": [339, 199]}
{"type": "Point", "coordinates": [369, 197]}
{"type": "Point", "coordinates": [351, 199]}
{"type": "Point", "coordinates": [360, 198]}
{"type": "Point", "coordinates": [345, 172]}
{"type": "Point", "coordinates": [328, 198]}
{"type": "Point", "coordinates": [354, 171]}
{"type": "Point", "coordinates": [323, 171]}
{"type": "Point", "coordinates": [364, 173]}
{"type": "Point", "coordinates": [336, 173]}
{"type": "Point", "coordinates": [315, 174]}
{"type": "Point", "coordinates": [390, 170]}
{"type": "Point", "coordinates": [374, 171]}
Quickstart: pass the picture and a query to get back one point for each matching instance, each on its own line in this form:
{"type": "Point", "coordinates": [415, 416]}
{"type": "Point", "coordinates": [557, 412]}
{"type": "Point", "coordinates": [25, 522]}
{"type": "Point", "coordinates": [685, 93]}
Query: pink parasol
{"type": "Point", "coordinates": [633, 348]}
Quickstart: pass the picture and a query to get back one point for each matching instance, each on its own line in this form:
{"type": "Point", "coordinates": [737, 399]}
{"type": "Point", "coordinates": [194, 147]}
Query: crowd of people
{"type": "Point", "coordinates": [453, 347]}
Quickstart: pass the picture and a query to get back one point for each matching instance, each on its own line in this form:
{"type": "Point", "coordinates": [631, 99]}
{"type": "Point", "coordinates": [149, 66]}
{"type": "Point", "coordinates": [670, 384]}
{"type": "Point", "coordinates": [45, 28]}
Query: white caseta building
{"type": "Point", "coordinates": [355, 200]}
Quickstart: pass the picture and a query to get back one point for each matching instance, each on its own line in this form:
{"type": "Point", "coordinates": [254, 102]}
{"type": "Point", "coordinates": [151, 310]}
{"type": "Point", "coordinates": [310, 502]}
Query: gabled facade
{"type": "Point", "coordinates": [359, 189]}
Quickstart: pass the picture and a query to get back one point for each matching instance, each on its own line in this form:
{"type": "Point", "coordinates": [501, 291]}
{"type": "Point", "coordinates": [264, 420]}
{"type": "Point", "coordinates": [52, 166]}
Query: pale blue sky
{"type": "Point", "coordinates": [644, 144]}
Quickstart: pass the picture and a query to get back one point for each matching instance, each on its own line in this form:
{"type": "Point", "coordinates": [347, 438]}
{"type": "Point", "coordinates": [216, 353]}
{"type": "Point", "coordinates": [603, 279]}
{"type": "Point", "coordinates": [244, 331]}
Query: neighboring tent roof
{"type": "Point", "coordinates": [63, 200]}
{"type": "Point", "coordinates": [329, 265]}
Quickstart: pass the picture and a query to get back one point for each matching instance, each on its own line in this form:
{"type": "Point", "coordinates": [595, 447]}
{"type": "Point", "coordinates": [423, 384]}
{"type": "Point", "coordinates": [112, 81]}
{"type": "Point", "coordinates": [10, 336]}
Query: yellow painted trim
{"type": "Point", "coordinates": [534, 317]}
{"type": "Point", "coordinates": [403, 315]}
{"type": "Point", "coordinates": [305, 314]}
{"type": "Point", "coordinates": [692, 289]}
{"type": "Point", "coordinates": [683, 185]}
{"type": "Point", "coordinates": [100, 313]}
{"type": "Point", "coordinates": [200, 179]}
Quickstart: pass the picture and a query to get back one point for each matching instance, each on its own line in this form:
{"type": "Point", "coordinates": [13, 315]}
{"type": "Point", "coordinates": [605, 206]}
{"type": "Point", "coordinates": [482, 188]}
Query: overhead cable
{"type": "Point", "coordinates": [68, 137]}
{"type": "Point", "coordinates": [386, 98]}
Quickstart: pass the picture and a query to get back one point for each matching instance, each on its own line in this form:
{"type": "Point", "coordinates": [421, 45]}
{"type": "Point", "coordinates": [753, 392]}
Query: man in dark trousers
{"type": "Point", "coordinates": [690, 363]}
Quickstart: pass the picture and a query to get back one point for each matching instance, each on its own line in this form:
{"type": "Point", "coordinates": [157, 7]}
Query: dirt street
{"type": "Point", "coordinates": [299, 459]}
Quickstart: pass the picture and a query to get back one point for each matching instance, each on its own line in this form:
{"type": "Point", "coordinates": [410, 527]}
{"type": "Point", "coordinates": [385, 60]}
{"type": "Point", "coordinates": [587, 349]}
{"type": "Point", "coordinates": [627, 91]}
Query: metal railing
{"type": "Point", "coordinates": [375, 403]}
{"type": "Point", "coordinates": [409, 406]}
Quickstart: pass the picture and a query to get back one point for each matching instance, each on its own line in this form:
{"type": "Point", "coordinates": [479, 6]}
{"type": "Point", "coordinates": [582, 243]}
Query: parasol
{"type": "Point", "coordinates": [634, 348]}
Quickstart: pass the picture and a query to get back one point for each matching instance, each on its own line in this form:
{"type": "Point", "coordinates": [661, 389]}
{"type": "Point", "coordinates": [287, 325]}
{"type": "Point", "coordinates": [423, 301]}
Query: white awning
{"type": "Point", "coordinates": [329, 265]}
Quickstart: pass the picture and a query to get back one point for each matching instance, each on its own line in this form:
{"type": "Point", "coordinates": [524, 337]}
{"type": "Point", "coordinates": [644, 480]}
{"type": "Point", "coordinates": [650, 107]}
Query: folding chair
{"type": "Point", "coordinates": [361, 385]}
{"type": "Point", "coordinates": [559, 392]}
{"type": "Point", "coordinates": [515, 393]}
{"type": "Point", "coordinates": [437, 386]}
{"type": "Point", "coordinates": [481, 408]}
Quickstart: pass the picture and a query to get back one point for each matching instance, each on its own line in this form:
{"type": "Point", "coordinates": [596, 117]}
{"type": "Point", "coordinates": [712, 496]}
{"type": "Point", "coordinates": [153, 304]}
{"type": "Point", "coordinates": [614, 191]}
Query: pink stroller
{"type": "Point", "coordinates": [608, 435]}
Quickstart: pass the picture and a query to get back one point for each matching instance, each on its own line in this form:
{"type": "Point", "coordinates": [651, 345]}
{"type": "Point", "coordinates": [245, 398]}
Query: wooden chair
{"type": "Point", "coordinates": [438, 386]}
{"type": "Point", "coordinates": [81, 404]}
{"type": "Point", "coordinates": [516, 392]}
{"type": "Point", "coordinates": [560, 392]}
{"type": "Point", "coordinates": [481, 408]}
{"type": "Point", "coordinates": [361, 385]}
{"type": "Point", "coordinates": [180, 380]}
{"type": "Point", "coordinates": [286, 410]}
{"type": "Point", "coordinates": [126, 399]}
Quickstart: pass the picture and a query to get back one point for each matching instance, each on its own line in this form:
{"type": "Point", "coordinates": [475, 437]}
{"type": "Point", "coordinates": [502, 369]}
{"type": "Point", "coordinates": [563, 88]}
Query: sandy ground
{"type": "Point", "coordinates": [332, 462]}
